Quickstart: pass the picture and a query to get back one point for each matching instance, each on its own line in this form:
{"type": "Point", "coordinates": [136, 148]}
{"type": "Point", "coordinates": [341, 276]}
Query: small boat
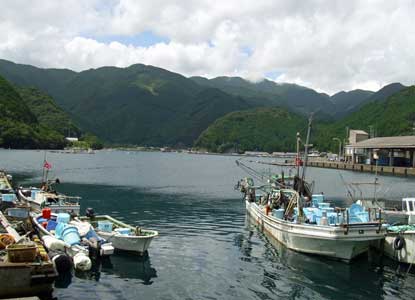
{"type": "Point", "coordinates": [77, 252]}
{"type": "Point", "coordinates": [58, 203]}
{"type": "Point", "coordinates": [7, 194]}
{"type": "Point", "coordinates": [123, 236]}
{"type": "Point", "coordinates": [26, 269]}
{"type": "Point", "coordinates": [400, 239]}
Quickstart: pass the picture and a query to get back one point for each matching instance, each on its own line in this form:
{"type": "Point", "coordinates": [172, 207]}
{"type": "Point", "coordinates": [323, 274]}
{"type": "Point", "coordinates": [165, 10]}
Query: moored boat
{"type": "Point", "coordinates": [335, 237]}
{"type": "Point", "coordinates": [78, 253]}
{"type": "Point", "coordinates": [58, 203]}
{"type": "Point", "coordinates": [25, 269]}
{"type": "Point", "coordinates": [304, 222]}
{"type": "Point", "coordinates": [123, 236]}
{"type": "Point", "coordinates": [400, 239]}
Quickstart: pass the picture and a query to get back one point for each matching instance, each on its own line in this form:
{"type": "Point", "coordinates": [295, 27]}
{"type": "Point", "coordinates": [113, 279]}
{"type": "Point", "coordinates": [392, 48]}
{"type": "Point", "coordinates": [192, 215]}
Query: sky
{"type": "Point", "coordinates": [326, 45]}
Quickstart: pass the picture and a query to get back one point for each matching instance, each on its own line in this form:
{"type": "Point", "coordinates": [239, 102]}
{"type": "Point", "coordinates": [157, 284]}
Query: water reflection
{"type": "Point", "coordinates": [127, 265]}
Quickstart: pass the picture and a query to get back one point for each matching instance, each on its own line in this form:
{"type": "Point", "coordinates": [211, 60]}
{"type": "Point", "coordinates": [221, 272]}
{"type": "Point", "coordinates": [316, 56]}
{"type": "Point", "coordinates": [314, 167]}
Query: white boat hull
{"type": "Point", "coordinates": [127, 243]}
{"type": "Point", "coordinates": [332, 241]}
{"type": "Point", "coordinates": [407, 253]}
{"type": "Point", "coordinates": [37, 206]}
{"type": "Point", "coordinates": [131, 243]}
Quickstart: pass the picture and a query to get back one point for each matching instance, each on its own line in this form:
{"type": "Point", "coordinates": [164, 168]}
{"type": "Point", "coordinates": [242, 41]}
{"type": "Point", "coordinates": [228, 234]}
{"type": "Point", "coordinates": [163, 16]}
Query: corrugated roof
{"type": "Point", "coordinates": [387, 142]}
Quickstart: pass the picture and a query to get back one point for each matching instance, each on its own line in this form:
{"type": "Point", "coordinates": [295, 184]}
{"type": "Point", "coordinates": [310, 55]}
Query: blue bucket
{"type": "Point", "coordinates": [71, 235]}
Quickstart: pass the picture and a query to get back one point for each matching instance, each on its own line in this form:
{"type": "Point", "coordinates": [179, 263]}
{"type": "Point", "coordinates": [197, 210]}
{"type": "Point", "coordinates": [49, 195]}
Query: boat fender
{"type": "Point", "coordinates": [82, 262]}
{"type": "Point", "coordinates": [398, 243]}
{"type": "Point", "coordinates": [62, 262]}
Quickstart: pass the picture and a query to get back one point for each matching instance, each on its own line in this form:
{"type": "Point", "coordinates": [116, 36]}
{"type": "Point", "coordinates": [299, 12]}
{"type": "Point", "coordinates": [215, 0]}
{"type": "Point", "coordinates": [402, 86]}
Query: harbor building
{"type": "Point", "coordinates": [394, 151]}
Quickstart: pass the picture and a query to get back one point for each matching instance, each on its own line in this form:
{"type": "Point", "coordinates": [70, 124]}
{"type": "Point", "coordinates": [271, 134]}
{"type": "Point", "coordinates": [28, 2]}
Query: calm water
{"type": "Point", "coordinates": [206, 249]}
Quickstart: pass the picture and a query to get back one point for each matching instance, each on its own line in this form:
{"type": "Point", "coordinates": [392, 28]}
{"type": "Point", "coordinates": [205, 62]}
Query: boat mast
{"type": "Point", "coordinates": [301, 184]}
{"type": "Point", "coordinates": [306, 149]}
{"type": "Point", "coordinates": [297, 161]}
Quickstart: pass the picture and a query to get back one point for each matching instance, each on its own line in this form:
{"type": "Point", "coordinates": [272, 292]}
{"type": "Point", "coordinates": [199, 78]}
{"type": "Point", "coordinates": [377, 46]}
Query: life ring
{"type": "Point", "coordinates": [398, 243]}
{"type": "Point", "coordinates": [6, 240]}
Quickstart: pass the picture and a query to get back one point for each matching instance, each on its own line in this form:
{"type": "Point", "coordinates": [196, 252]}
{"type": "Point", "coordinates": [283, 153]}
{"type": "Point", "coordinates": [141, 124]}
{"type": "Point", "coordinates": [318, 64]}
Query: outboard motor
{"type": "Point", "coordinates": [89, 212]}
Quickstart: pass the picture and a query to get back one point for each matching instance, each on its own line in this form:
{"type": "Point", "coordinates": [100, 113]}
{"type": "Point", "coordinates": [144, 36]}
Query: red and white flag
{"type": "Point", "coordinates": [47, 165]}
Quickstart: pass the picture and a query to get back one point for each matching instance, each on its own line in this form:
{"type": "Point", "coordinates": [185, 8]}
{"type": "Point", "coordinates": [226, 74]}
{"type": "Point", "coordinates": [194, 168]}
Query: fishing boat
{"type": "Point", "coordinates": [307, 225]}
{"type": "Point", "coordinates": [7, 193]}
{"type": "Point", "coordinates": [123, 236]}
{"type": "Point", "coordinates": [58, 203]}
{"type": "Point", "coordinates": [342, 234]}
{"type": "Point", "coordinates": [25, 268]}
{"type": "Point", "coordinates": [400, 239]}
{"type": "Point", "coordinates": [73, 248]}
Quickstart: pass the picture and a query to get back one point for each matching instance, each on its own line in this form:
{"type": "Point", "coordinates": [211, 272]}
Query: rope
{"type": "Point", "coordinates": [6, 240]}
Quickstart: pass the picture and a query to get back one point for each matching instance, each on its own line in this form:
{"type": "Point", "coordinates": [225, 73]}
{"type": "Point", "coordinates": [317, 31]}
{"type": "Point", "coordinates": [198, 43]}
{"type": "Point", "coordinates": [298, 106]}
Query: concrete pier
{"type": "Point", "coordinates": [384, 170]}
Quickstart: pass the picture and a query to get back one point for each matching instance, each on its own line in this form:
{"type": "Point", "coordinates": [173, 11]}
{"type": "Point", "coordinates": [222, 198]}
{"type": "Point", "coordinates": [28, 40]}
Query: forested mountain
{"type": "Point", "coordinates": [390, 117]}
{"type": "Point", "coordinates": [145, 105]}
{"type": "Point", "coordinates": [274, 129]}
{"type": "Point", "coordinates": [261, 129]}
{"type": "Point", "coordinates": [346, 102]}
{"type": "Point", "coordinates": [47, 112]}
{"type": "Point", "coordinates": [268, 93]}
{"type": "Point", "coordinates": [140, 104]}
{"type": "Point", "coordinates": [19, 127]}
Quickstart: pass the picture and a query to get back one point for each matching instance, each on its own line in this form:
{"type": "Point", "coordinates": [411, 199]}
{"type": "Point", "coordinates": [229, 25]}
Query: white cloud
{"type": "Point", "coordinates": [328, 45]}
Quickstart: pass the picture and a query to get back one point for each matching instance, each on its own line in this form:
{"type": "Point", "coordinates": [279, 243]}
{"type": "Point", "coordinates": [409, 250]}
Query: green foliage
{"type": "Point", "coordinates": [90, 141]}
{"type": "Point", "coordinates": [47, 112]}
{"type": "Point", "coordinates": [18, 125]}
{"type": "Point", "coordinates": [263, 129]}
{"type": "Point", "coordinates": [392, 117]}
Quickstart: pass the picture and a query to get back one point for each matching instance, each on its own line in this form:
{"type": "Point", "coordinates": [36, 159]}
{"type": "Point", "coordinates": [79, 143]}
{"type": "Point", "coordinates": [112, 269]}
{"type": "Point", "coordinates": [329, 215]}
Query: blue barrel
{"type": "Point", "coordinates": [63, 218]}
{"type": "Point", "coordinates": [51, 225]}
{"type": "Point", "coordinates": [59, 229]}
{"type": "Point", "coordinates": [71, 235]}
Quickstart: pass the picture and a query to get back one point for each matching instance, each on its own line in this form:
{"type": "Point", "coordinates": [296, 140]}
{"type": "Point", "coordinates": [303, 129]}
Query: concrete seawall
{"type": "Point", "coordinates": [386, 170]}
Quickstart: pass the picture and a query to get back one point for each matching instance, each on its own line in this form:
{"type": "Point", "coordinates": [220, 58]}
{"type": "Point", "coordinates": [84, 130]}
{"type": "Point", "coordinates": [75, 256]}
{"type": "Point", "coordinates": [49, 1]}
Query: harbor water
{"type": "Point", "coordinates": [206, 248]}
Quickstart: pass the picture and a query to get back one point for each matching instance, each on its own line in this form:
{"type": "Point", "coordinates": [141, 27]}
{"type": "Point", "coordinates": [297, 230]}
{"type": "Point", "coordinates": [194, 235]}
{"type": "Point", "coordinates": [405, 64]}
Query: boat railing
{"type": "Point", "coordinates": [375, 220]}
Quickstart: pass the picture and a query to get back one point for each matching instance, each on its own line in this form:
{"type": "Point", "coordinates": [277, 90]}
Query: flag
{"type": "Point", "coordinates": [47, 165]}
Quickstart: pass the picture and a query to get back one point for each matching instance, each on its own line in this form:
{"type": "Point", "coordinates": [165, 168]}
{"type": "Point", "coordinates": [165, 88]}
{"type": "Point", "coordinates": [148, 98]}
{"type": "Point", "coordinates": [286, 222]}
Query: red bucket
{"type": "Point", "coordinates": [46, 213]}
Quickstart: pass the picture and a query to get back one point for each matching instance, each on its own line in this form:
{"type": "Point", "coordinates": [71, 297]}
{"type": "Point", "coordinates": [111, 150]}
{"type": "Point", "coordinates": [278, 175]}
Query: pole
{"type": "Point", "coordinates": [298, 155]}
{"type": "Point", "coordinates": [340, 146]}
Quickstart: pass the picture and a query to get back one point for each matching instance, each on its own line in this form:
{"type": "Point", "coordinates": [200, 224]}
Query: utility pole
{"type": "Point", "coordinates": [340, 146]}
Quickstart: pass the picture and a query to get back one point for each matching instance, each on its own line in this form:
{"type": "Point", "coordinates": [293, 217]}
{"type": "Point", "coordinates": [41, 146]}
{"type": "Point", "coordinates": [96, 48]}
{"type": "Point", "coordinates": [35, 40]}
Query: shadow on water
{"type": "Point", "coordinates": [120, 265]}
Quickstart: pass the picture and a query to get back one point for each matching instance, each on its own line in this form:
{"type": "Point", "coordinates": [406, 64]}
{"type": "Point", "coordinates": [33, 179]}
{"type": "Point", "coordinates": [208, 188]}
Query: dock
{"type": "Point", "coordinates": [382, 170]}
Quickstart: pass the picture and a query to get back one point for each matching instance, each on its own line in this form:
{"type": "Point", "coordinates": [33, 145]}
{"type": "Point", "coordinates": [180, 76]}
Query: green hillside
{"type": "Point", "coordinates": [267, 93]}
{"type": "Point", "coordinates": [145, 105]}
{"type": "Point", "coordinates": [263, 129]}
{"type": "Point", "coordinates": [274, 129]}
{"type": "Point", "coordinates": [394, 116]}
{"type": "Point", "coordinates": [47, 112]}
{"type": "Point", "coordinates": [140, 104]}
{"type": "Point", "coordinates": [19, 127]}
